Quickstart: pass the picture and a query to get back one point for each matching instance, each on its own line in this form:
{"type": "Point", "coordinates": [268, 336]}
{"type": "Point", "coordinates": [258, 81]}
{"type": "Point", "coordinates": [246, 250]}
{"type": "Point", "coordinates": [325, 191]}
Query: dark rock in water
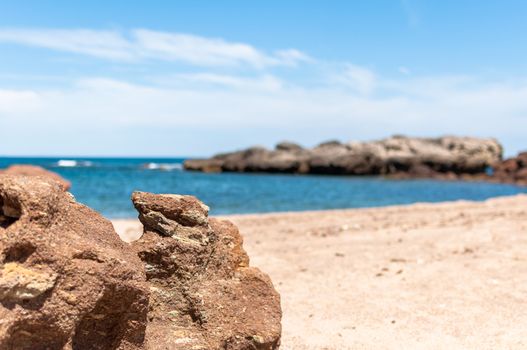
{"type": "Point", "coordinates": [34, 170]}
{"type": "Point", "coordinates": [66, 279]}
{"type": "Point", "coordinates": [396, 156]}
{"type": "Point", "coordinates": [204, 165]}
{"type": "Point", "coordinates": [255, 159]}
{"type": "Point", "coordinates": [204, 294]}
{"type": "Point", "coordinates": [512, 170]}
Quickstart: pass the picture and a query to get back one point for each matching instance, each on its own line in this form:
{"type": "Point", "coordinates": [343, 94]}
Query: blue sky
{"type": "Point", "coordinates": [169, 78]}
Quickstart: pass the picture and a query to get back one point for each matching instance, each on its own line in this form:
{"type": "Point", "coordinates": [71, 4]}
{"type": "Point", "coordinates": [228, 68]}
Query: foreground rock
{"type": "Point", "coordinates": [398, 156]}
{"type": "Point", "coordinates": [512, 170]}
{"type": "Point", "coordinates": [68, 282]}
{"type": "Point", "coordinates": [34, 170]}
{"type": "Point", "coordinates": [204, 294]}
{"type": "Point", "coordinates": [66, 279]}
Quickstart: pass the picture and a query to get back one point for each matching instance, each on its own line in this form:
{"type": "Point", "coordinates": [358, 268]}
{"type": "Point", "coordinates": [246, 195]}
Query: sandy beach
{"type": "Point", "coordinates": [423, 276]}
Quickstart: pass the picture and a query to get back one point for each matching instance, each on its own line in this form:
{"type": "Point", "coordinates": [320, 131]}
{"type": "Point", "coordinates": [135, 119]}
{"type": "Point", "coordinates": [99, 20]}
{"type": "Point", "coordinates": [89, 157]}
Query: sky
{"type": "Point", "coordinates": [193, 78]}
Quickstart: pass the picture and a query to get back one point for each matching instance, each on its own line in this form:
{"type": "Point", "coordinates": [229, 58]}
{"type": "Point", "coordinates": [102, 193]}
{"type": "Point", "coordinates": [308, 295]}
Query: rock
{"type": "Point", "coordinates": [512, 170]}
{"type": "Point", "coordinates": [18, 283]}
{"type": "Point", "coordinates": [445, 157]}
{"type": "Point", "coordinates": [170, 214]}
{"type": "Point", "coordinates": [204, 295]}
{"type": "Point", "coordinates": [204, 165]}
{"type": "Point", "coordinates": [330, 143]}
{"type": "Point", "coordinates": [288, 146]}
{"type": "Point", "coordinates": [255, 159]}
{"type": "Point", "coordinates": [68, 282]}
{"type": "Point", "coordinates": [521, 177]}
{"type": "Point", "coordinates": [66, 279]}
{"type": "Point", "coordinates": [34, 170]}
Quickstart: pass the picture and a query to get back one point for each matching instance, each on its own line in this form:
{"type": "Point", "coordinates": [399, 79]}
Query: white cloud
{"type": "Point", "coordinates": [292, 57]}
{"type": "Point", "coordinates": [209, 51]}
{"type": "Point", "coordinates": [98, 43]}
{"type": "Point", "coordinates": [489, 109]}
{"type": "Point", "coordinates": [359, 78]}
{"type": "Point", "coordinates": [141, 44]}
{"type": "Point", "coordinates": [262, 83]}
{"type": "Point", "coordinates": [430, 86]}
{"type": "Point", "coordinates": [18, 101]}
{"type": "Point", "coordinates": [200, 110]}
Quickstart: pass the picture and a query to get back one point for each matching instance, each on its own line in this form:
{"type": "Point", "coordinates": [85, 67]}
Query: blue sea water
{"type": "Point", "coordinates": [105, 184]}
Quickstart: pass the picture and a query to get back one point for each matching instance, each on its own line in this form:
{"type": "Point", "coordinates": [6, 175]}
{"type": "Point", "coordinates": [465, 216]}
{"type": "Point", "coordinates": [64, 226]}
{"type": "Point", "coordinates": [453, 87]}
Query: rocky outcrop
{"type": "Point", "coordinates": [68, 282]}
{"type": "Point", "coordinates": [255, 159]}
{"type": "Point", "coordinates": [35, 170]}
{"type": "Point", "coordinates": [66, 279]}
{"type": "Point", "coordinates": [204, 294]}
{"type": "Point", "coordinates": [397, 156]}
{"type": "Point", "coordinates": [512, 170]}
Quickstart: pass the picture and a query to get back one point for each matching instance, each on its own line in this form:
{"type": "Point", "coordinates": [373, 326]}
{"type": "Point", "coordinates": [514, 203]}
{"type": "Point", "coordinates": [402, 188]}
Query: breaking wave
{"type": "Point", "coordinates": [163, 166]}
{"type": "Point", "coordinates": [69, 163]}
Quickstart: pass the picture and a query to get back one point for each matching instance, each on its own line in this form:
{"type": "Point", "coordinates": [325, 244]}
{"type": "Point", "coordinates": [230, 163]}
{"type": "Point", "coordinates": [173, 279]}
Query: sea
{"type": "Point", "coordinates": [105, 184]}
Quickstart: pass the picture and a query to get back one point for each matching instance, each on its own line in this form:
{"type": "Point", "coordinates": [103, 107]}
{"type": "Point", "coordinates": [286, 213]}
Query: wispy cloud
{"type": "Point", "coordinates": [263, 83]}
{"type": "Point", "coordinates": [329, 100]}
{"type": "Point", "coordinates": [102, 44]}
{"type": "Point", "coordinates": [143, 44]}
{"type": "Point", "coordinates": [487, 109]}
{"type": "Point", "coordinates": [358, 78]}
{"type": "Point", "coordinates": [18, 101]}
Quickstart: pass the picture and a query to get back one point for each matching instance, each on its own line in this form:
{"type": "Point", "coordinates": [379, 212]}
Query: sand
{"type": "Point", "coordinates": [423, 276]}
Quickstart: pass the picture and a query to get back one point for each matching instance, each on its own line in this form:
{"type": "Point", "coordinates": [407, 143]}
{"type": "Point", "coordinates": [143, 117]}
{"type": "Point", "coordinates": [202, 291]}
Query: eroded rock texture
{"type": "Point", "coordinates": [66, 279]}
{"type": "Point", "coordinates": [204, 295]}
{"type": "Point", "coordinates": [398, 155]}
{"type": "Point", "coordinates": [68, 282]}
{"type": "Point", "coordinates": [34, 170]}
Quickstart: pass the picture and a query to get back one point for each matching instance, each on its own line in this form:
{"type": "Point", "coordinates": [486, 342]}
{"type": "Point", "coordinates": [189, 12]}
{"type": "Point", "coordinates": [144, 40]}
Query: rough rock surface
{"type": "Point", "coordinates": [68, 282]}
{"type": "Point", "coordinates": [204, 295]}
{"type": "Point", "coordinates": [397, 155]}
{"type": "Point", "coordinates": [66, 279]}
{"type": "Point", "coordinates": [512, 170]}
{"type": "Point", "coordinates": [34, 170]}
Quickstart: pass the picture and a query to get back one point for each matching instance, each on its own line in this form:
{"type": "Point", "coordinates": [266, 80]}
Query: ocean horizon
{"type": "Point", "coordinates": [105, 184]}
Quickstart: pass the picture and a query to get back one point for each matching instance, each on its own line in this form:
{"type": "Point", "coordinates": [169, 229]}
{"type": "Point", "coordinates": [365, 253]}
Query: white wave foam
{"type": "Point", "coordinates": [67, 163]}
{"type": "Point", "coordinates": [70, 163]}
{"type": "Point", "coordinates": [162, 166]}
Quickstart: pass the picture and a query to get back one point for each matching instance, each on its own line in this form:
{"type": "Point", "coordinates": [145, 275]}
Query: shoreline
{"type": "Point", "coordinates": [426, 275]}
{"type": "Point", "coordinates": [312, 211]}
{"type": "Point", "coordinates": [522, 188]}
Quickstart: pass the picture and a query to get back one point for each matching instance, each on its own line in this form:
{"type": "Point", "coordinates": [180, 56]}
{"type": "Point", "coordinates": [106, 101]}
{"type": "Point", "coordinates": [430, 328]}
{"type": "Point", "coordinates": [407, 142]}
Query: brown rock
{"type": "Point", "coordinates": [204, 294]}
{"type": "Point", "coordinates": [34, 170]}
{"type": "Point", "coordinates": [521, 174]}
{"type": "Point", "coordinates": [512, 170]}
{"type": "Point", "coordinates": [66, 279]}
{"type": "Point", "coordinates": [204, 165]}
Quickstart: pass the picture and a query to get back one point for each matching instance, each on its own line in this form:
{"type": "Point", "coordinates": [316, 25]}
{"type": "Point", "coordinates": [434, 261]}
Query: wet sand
{"type": "Point", "coordinates": [423, 276]}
